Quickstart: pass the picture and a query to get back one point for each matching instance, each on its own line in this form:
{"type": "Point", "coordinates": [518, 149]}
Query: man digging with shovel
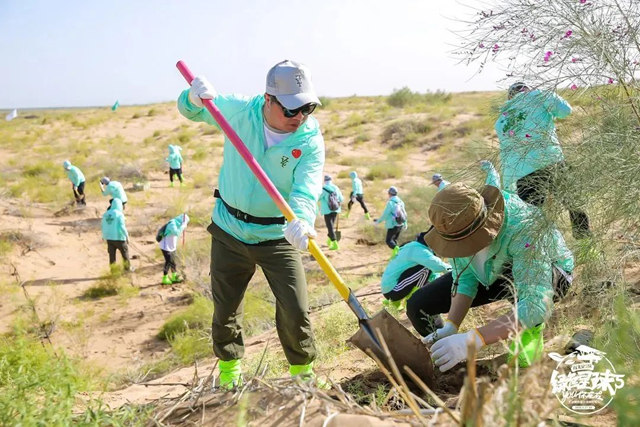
{"type": "Point", "coordinates": [496, 240]}
{"type": "Point", "coordinates": [247, 227]}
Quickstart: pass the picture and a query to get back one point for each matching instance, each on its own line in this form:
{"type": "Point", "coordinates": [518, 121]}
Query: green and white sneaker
{"type": "Point", "coordinates": [230, 374]}
{"type": "Point", "coordinates": [306, 374]}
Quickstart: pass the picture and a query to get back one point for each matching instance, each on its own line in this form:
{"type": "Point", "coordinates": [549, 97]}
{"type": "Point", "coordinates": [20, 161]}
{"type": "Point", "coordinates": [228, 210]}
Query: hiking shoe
{"type": "Point", "coordinates": [175, 278]}
{"type": "Point", "coordinates": [529, 346]}
{"type": "Point", "coordinates": [230, 374]}
{"type": "Point", "coordinates": [306, 374]}
{"type": "Point", "coordinates": [393, 305]}
{"type": "Point", "coordinates": [166, 280]}
{"type": "Point", "coordinates": [171, 184]}
{"type": "Point", "coordinates": [333, 246]}
{"type": "Point", "coordinates": [367, 216]}
{"type": "Point", "coordinates": [394, 252]}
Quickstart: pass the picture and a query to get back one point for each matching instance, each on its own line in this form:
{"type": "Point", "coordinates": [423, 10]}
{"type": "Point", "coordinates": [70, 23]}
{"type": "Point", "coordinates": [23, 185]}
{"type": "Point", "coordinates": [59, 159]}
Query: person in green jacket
{"type": "Point", "coordinates": [357, 194]}
{"type": "Point", "coordinates": [413, 267]}
{"type": "Point", "coordinates": [329, 212]}
{"type": "Point", "coordinates": [438, 181]}
{"type": "Point", "coordinates": [168, 245]}
{"type": "Point", "coordinates": [247, 227]}
{"type": "Point", "coordinates": [395, 218]}
{"type": "Point", "coordinates": [175, 161]}
{"type": "Point", "coordinates": [114, 231]}
{"type": "Point", "coordinates": [113, 189]}
{"type": "Point", "coordinates": [530, 153]}
{"type": "Point", "coordinates": [500, 248]}
{"type": "Point", "coordinates": [77, 181]}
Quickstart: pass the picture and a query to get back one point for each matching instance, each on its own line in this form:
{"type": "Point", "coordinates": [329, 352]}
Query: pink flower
{"type": "Point", "coordinates": [574, 87]}
{"type": "Point", "coordinates": [610, 81]}
{"type": "Point", "coordinates": [583, 1]}
{"type": "Point", "coordinates": [568, 34]}
{"type": "Point", "coordinates": [505, 114]}
{"type": "Point", "coordinates": [511, 132]}
{"type": "Point", "coordinates": [481, 45]}
{"type": "Point", "coordinates": [527, 136]}
{"type": "Point", "coordinates": [526, 245]}
{"type": "Point", "coordinates": [495, 47]}
{"type": "Point", "coordinates": [575, 59]}
{"type": "Point", "coordinates": [547, 56]}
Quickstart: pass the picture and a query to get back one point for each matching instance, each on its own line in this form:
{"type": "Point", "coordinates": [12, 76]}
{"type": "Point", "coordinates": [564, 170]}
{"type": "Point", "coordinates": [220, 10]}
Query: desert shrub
{"type": "Point", "coordinates": [405, 132]}
{"type": "Point", "coordinates": [385, 170]}
{"type": "Point", "coordinates": [113, 283]}
{"type": "Point", "coordinates": [197, 316]}
{"type": "Point", "coordinates": [404, 97]}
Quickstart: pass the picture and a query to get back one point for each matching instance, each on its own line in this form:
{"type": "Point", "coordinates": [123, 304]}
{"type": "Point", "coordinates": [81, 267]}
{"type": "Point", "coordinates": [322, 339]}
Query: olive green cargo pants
{"type": "Point", "coordinates": [233, 263]}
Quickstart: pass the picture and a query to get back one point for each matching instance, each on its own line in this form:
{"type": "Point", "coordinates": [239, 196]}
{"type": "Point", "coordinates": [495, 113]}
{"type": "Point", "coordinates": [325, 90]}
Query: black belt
{"type": "Point", "coordinates": [245, 217]}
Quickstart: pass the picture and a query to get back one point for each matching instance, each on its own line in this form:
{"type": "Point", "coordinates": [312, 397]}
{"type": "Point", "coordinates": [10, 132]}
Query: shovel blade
{"type": "Point", "coordinates": [338, 235]}
{"type": "Point", "coordinates": [405, 348]}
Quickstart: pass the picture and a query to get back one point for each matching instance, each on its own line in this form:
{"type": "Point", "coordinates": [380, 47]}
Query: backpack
{"type": "Point", "coordinates": [399, 214]}
{"type": "Point", "coordinates": [160, 233]}
{"type": "Point", "coordinates": [333, 201]}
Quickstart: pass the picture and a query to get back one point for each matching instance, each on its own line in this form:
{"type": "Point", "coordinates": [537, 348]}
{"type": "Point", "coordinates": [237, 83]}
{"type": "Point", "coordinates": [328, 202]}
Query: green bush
{"type": "Point", "coordinates": [197, 316]}
{"type": "Point", "coordinates": [385, 170]}
{"type": "Point", "coordinates": [405, 132]}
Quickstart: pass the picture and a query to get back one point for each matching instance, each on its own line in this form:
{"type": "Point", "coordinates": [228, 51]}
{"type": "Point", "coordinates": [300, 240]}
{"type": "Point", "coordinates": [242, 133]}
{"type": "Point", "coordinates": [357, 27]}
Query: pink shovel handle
{"type": "Point", "coordinates": [242, 149]}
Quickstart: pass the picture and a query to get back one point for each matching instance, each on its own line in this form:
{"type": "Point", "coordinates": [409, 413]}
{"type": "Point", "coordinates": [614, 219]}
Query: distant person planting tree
{"type": "Point", "coordinates": [395, 217]}
{"type": "Point", "coordinates": [114, 231]}
{"type": "Point", "coordinates": [413, 267]}
{"type": "Point", "coordinates": [77, 181]}
{"type": "Point", "coordinates": [113, 189]}
{"type": "Point", "coordinates": [530, 154]}
{"type": "Point", "coordinates": [330, 200]}
{"type": "Point", "coordinates": [168, 235]}
{"type": "Point", "coordinates": [247, 227]}
{"type": "Point", "coordinates": [357, 195]}
{"type": "Point", "coordinates": [437, 180]}
{"type": "Point", "coordinates": [175, 161]}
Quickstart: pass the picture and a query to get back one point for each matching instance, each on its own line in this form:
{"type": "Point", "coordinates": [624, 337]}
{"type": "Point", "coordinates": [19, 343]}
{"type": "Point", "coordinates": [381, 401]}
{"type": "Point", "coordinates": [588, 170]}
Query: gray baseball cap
{"type": "Point", "coordinates": [290, 82]}
{"type": "Point", "coordinates": [436, 177]}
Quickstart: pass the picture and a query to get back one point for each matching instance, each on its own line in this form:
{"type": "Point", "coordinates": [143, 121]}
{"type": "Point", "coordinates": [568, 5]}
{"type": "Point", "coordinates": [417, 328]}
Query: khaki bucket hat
{"type": "Point", "coordinates": [464, 221]}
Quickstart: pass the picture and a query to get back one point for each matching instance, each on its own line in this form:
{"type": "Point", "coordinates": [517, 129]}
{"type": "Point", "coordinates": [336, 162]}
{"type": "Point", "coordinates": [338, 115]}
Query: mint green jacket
{"type": "Point", "coordinates": [356, 183]}
{"type": "Point", "coordinates": [324, 198]}
{"type": "Point", "coordinates": [412, 254]}
{"type": "Point", "coordinates": [294, 166]}
{"type": "Point", "coordinates": [527, 134]}
{"type": "Point", "coordinates": [175, 226]}
{"type": "Point", "coordinates": [532, 247]}
{"type": "Point", "coordinates": [175, 158]}
{"type": "Point", "coordinates": [75, 175]}
{"type": "Point", "coordinates": [113, 223]}
{"type": "Point", "coordinates": [115, 190]}
{"type": "Point", "coordinates": [389, 211]}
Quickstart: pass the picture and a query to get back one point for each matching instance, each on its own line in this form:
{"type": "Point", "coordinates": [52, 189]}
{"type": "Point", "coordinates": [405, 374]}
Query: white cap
{"type": "Point", "coordinates": [290, 83]}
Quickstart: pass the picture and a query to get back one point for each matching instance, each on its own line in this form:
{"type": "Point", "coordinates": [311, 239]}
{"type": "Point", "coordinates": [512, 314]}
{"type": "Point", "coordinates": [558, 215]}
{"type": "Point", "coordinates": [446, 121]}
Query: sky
{"type": "Point", "coordinates": [71, 53]}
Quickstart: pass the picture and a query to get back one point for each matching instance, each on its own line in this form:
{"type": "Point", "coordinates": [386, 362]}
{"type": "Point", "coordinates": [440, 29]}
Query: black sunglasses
{"type": "Point", "coordinates": [305, 109]}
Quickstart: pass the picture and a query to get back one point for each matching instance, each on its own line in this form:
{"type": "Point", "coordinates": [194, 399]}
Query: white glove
{"type": "Point", "coordinates": [450, 351]}
{"type": "Point", "coordinates": [298, 232]}
{"type": "Point", "coordinates": [486, 165]}
{"type": "Point", "coordinates": [449, 328]}
{"type": "Point", "coordinates": [201, 89]}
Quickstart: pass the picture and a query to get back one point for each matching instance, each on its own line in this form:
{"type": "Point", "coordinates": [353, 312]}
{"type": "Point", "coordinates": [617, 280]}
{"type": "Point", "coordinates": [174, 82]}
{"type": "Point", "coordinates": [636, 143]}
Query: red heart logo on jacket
{"type": "Point", "coordinates": [296, 153]}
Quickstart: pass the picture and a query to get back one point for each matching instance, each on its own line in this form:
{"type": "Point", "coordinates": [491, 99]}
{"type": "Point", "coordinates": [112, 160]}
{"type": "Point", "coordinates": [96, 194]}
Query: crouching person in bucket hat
{"type": "Point", "coordinates": [500, 248]}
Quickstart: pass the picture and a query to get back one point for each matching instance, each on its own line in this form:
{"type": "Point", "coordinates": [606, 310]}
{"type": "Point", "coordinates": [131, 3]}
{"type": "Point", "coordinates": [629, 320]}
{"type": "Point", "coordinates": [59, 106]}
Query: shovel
{"type": "Point", "coordinates": [405, 349]}
{"type": "Point", "coordinates": [338, 232]}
